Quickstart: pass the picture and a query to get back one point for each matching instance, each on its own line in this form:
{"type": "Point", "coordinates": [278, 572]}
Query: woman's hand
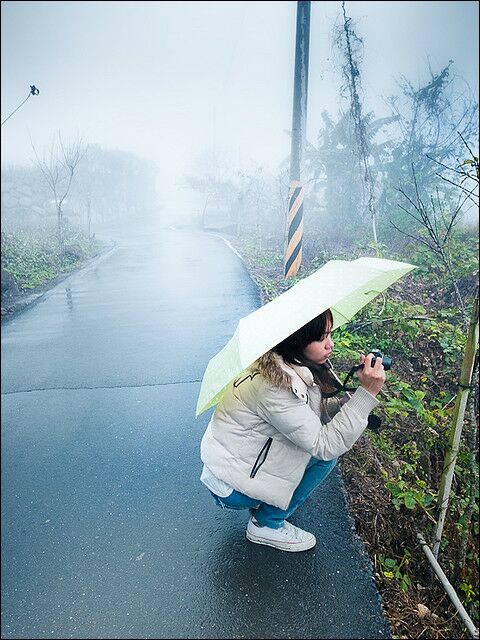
{"type": "Point", "coordinates": [371, 378]}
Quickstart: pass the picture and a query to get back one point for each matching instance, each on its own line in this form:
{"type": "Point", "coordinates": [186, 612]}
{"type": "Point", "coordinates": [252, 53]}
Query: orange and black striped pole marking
{"type": "Point", "coordinates": [293, 255]}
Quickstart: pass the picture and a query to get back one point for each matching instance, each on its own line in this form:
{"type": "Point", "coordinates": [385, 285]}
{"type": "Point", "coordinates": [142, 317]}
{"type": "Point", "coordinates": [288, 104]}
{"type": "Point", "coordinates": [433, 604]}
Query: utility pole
{"type": "Point", "coordinates": [293, 254]}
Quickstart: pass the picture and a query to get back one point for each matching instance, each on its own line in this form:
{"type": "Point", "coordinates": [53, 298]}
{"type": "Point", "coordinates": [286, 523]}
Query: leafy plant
{"type": "Point", "coordinates": [392, 570]}
{"type": "Point", "coordinates": [410, 496]}
{"type": "Point", "coordinates": [33, 256]}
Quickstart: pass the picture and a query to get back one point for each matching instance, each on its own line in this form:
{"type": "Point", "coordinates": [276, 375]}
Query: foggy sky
{"type": "Point", "coordinates": [166, 80]}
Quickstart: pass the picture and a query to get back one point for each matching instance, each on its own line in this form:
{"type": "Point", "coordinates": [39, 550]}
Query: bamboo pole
{"type": "Point", "coordinates": [448, 588]}
{"type": "Point", "coordinates": [464, 387]}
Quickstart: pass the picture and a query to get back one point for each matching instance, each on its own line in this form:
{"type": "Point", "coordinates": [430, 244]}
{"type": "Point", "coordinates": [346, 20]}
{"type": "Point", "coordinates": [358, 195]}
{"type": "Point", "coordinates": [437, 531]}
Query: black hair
{"type": "Point", "coordinates": [291, 349]}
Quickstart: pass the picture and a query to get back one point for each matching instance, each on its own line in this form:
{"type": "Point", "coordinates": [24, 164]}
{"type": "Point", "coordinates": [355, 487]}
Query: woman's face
{"type": "Point", "coordinates": [320, 350]}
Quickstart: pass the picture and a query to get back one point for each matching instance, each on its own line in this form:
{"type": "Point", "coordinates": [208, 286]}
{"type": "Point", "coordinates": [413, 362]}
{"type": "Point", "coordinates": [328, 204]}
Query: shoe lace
{"type": "Point", "coordinates": [297, 533]}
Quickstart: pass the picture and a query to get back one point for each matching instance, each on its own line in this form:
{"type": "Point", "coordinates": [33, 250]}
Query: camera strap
{"type": "Point", "coordinates": [374, 423]}
{"type": "Point", "coordinates": [353, 370]}
{"type": "Point", "coordinates": [337, 383]}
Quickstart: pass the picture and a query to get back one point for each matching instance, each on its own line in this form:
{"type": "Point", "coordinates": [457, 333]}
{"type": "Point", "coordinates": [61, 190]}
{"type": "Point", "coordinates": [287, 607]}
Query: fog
{"type": "Point", "coordinates": [172, 81]}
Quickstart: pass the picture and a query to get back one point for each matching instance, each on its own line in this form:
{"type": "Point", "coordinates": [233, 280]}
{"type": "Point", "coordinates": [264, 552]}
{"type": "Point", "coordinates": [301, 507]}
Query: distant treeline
{"type": "Point", "coordinates": [107, 186]}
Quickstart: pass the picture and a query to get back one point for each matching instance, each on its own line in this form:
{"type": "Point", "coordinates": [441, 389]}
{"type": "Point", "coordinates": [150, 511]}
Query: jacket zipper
{"type": "Point", "coordinates": [262, 456]}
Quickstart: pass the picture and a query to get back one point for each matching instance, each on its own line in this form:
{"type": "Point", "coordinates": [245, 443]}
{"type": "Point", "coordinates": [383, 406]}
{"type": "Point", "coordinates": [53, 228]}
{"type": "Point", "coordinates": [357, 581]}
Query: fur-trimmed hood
{"type": "Point", "coordinates": [280, 374]}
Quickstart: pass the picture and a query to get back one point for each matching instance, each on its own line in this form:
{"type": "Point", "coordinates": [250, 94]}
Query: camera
{"type": "Point", "coordinates": [387, 365]}
{"type": "Point", "coordinates": [386, 361]}
{"type": "Point", "coordinates": [374, 422]}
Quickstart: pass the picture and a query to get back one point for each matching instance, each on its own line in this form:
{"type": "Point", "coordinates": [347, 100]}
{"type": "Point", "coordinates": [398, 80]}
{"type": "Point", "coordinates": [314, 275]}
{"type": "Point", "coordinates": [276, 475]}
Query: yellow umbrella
{"type": "Point", "coordinates": [343, 286]}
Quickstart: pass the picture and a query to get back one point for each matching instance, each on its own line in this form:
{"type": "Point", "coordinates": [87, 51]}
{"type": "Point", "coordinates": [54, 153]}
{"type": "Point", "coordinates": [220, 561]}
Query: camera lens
{"type": "Point", "coordinates": [386, 361]}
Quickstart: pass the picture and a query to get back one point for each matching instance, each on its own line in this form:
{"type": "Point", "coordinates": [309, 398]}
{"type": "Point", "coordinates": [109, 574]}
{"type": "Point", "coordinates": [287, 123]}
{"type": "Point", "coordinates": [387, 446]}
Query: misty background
{"type": "Point", "coordinates": [128, 130]}
{"type": "Point", "coordinates": [186, 85]}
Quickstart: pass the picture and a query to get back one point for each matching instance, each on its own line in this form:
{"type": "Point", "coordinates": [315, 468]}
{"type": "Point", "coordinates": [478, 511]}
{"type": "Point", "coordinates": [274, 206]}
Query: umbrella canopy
{"type": "Point", "coordinates": [343, 286]}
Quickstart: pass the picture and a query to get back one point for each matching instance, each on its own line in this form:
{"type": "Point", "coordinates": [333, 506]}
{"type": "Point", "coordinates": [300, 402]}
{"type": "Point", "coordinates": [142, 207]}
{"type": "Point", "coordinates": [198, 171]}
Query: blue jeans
{"type": "Point", "coordinates": [266, 514]}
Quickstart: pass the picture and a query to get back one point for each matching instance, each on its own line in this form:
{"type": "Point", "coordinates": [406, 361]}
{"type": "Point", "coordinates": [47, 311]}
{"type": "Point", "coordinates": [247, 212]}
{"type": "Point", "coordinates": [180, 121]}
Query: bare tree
{"type": "Point", "coordinates": [352, 48]}
{"type": "Point", "coordinates": [58, 169]}
{"type": "Point", "coordinates": [438, 224]}
{"type": "Point", "coordinates": [430, 115]}
{"type": "Point", "coordinates": [466, 175]}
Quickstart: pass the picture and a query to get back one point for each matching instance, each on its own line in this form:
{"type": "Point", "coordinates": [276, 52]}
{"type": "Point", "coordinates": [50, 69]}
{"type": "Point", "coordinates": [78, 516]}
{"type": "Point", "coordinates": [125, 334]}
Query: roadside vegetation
{"type": "Point", "coordinates": [31, 259]}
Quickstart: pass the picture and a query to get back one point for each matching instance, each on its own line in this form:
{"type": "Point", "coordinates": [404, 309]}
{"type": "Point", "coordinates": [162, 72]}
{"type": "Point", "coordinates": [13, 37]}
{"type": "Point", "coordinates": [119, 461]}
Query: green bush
{"type": "Point", "coordinates": [32, 256]}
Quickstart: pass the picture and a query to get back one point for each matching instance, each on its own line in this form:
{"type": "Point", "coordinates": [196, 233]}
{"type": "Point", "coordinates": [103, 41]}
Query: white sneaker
{"type": "Point", "coordinates": [287, 538]}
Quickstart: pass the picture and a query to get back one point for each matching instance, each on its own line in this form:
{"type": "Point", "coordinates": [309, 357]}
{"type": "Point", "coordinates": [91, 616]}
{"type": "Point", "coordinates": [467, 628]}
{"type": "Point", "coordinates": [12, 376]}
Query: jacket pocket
{"type": "Point", "coordinates": [262, 456]}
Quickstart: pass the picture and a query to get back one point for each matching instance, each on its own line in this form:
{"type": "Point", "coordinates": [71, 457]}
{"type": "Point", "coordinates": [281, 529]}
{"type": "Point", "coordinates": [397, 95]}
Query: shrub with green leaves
{"type": "Point", "coordinates": [32, 256]}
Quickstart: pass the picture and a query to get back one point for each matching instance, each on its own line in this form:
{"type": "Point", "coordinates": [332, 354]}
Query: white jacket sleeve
{"type": "Point", "coordinates": [296, 421]}
{"type": "Point", "coordinates": [329, 407]}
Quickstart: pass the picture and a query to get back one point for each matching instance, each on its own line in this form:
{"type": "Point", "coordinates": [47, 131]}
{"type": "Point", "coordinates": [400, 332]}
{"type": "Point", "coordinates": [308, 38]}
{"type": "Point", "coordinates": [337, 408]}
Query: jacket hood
{"type": "Point", "coordinates": [270, 366]}
{"type": "Point", "coordinates": [275, 370]}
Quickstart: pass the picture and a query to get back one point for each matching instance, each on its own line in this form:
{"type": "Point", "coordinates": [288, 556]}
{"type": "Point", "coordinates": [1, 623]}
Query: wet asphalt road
{"type": "Point", "coordinates": [107, 531]}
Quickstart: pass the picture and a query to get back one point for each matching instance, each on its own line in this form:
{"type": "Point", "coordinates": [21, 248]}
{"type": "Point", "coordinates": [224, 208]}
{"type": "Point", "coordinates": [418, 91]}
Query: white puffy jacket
{"type": "Point", "coordinates": [271, 421]}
